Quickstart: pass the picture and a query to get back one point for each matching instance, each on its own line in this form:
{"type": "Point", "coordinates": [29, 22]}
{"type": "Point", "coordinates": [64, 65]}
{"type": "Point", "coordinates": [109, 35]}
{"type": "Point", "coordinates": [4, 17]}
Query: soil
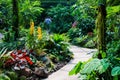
{"type": "Point", "coordinates": [42, 74]}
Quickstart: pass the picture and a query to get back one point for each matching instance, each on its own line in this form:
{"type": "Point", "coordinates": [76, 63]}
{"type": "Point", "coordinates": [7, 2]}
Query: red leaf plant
{"type": "Point", "coordinates": [20, 59]}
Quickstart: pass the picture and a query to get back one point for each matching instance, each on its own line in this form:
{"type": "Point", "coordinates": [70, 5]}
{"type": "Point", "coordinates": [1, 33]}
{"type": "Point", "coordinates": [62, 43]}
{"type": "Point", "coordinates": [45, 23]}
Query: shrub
{"type": "Point", "coordinates": [61, 18]}
{"type": "Point", "coordinates": [31, 11]}
{"type": "Point", "coordinates": [5, 14]}
{"type": "Point", "coordinates": [84, 15]}
{"type": "Point", "coordinates": [58, 46]}
{"type": "Point", "coordinates": [74, 32]}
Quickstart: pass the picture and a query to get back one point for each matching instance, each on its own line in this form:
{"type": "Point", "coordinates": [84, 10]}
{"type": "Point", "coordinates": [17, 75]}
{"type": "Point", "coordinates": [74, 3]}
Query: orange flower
{"type": "Point", "coordinates": [31, 27]}
{"type": "Point", "coordinates": [39, 31]}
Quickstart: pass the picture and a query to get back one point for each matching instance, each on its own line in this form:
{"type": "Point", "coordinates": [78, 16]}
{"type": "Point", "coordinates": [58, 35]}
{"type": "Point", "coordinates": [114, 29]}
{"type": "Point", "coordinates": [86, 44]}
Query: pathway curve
{"type": "Point", "coordinates": [80, 54]}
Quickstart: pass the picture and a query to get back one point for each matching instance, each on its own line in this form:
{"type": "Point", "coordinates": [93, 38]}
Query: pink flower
{"type": "Point", "coordinates": [74, 24]}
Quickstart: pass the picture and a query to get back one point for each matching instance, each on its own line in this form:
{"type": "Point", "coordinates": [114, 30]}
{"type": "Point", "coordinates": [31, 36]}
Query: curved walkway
{"type": "Point", "coordinates": [80, 54]}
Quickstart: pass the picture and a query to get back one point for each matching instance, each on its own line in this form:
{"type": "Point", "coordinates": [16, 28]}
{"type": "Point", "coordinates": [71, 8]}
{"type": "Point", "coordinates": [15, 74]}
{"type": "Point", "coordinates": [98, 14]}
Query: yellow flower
{"type": "Point", "coordinates": [39, 31]}
{"type": "Point", "coordinates": [31, 27]}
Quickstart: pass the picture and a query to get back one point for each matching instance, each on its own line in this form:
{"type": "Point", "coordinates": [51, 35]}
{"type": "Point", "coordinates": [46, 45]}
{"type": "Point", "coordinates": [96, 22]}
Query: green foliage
{"type": "Point", "coordinates": [113, 52]}
{"type": "Point", "coordinates": [113, 2]}
{"type": "Point", "coordinates": [60, 37]}
{"type": "Point", "coordinates": [54, 44]}
{"type": "Point", "coordinates": [2, 53]}
{"type": "Point", "coordinates": [76, 69]}
{"type": "Point", "coordinates": [31, 11]}
{"type": "Point", "coordinates": [8, 40]}
{"type": "Point", "coordinates": [113, 10]}
{"type": "Point", "coordinates": [90, 44]}
{"type": "Point", "coordinates": [74, 32]}
{"type": "Point", "coordinates": [30, 41]}
{"type": "Point", "coordinates": [84, 13]}
{"type": "Point", "coordinates": [8, 35]}
{"type": "Point", "coordinates": [80, 41]}
{"type": "Point", "coordinates": [33, 43]}
{"type": "Point", "coordinates": [86, 25]}
{"type": "Point", "coordinates": [61, 18]}
{"type": "Point", "coordinates": [91, 68]}
{"type": "Point", "coordinates": [12, 75]}
{"type": "Point", "coordinates": [110, 63]}
{"type": "Point", "coordinates": [77, 38]}
{"type": "Point", "coordinates": [4, 77]}
{"type": "Point", "coordinates": [113, 19]}
{"type": "Point", "coordinates": [95, 65]}
{"type": "Point", "coordinates": [13, 45]}
{"type": "Point", "coordinates": [115, 71]}
{"type": "Point", "coordinates": [57, 45]}
{"type": "Point", "coordinates": [5, 13]}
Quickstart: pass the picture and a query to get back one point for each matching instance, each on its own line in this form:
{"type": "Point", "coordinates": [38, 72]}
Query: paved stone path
{"type": "Point", "coordinates": [80, 54]}
{"type": "Point", "coordinates": [1, 36]}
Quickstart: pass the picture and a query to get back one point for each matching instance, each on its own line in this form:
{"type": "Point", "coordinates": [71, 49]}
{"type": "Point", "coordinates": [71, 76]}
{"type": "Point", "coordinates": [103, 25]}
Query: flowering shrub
{"type": "Point", "coordinates": [35, 39]}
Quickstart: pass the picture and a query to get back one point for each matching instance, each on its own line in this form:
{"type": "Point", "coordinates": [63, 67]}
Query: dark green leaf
{"type": "Point", "coordinates": [115, 71]}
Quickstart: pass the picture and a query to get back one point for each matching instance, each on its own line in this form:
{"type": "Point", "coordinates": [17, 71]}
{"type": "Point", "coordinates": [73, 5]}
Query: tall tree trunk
{"type": "Point", "coordinates": [101, 27]}
{"type": "Point", "coordinates": [15, 19]}
{"type": "Point", "coordinates": [101, 30]}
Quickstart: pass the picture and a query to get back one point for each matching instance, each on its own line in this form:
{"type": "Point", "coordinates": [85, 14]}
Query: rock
{"type": "Point", "coordinates": [23, 78]}
{"type": "Point", "coordinates": [40, 72]}
{"type": "Point", "coordinates": [26, 72]}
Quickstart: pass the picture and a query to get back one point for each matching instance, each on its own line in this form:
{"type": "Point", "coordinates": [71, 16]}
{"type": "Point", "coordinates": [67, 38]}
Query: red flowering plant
{"type": "Point", "coordinates": [19, 59]}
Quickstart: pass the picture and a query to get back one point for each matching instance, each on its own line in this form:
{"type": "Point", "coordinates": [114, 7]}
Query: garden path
{"type": "Point", "coordinates": [80, 54]}
{"type": "Point", "coordinates": [1, 36]}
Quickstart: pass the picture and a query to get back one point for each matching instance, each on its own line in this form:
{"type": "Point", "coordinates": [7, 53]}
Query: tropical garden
{"type": "Point", "coordinates": [36, 35]}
